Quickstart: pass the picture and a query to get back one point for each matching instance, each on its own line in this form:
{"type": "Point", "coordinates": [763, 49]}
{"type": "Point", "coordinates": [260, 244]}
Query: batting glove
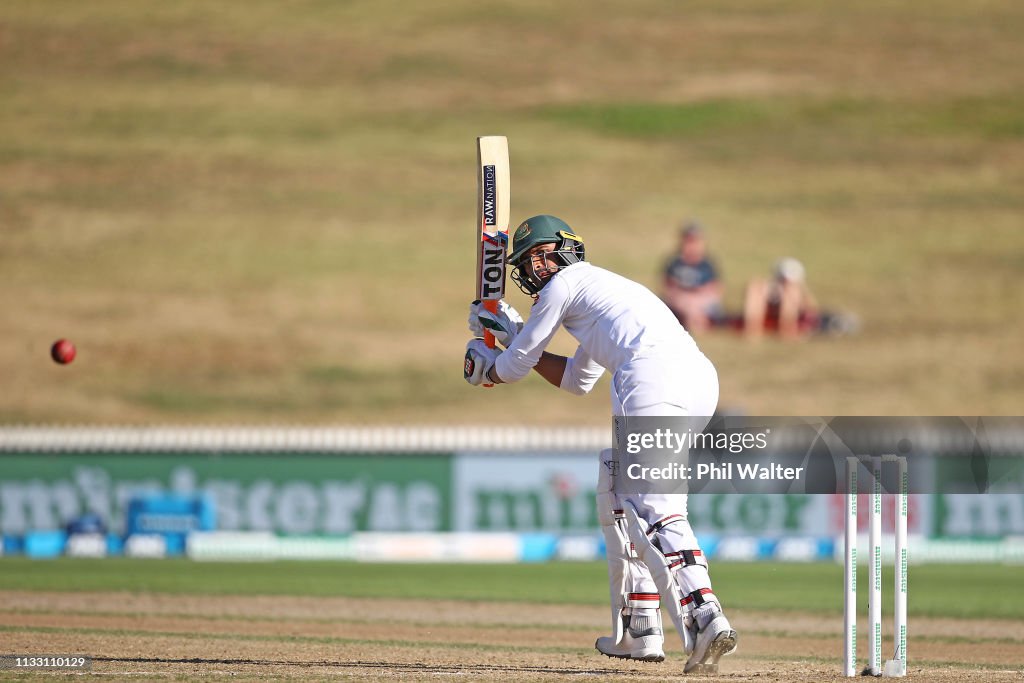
{"type": "Point", "coordinates": [479, 360]}
{"type": "Point", "coordinates": [504, 325]}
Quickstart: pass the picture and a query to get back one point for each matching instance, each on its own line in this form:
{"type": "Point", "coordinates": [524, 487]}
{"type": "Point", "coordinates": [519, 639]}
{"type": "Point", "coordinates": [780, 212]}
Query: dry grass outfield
{"type": "Point", "coordinates": [263, 637]}
{"type": "Point", "coordinates": [266, 214]}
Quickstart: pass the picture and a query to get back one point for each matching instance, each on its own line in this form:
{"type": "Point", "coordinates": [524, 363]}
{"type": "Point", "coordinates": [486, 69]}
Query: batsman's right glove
{"type": "Point", "coordinates": [479, 360]}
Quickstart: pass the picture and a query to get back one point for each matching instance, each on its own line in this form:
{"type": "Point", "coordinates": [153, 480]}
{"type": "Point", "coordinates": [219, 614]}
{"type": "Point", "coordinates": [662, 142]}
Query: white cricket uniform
{"type": "Point", "coordinates": [656, 367]}
{"type": "Point", "coordinates": [623, 327]}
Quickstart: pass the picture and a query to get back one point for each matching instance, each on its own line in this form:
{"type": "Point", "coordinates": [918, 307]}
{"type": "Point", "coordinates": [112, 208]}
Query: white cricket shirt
{"type": "Point", "coordinates": [614, 319]}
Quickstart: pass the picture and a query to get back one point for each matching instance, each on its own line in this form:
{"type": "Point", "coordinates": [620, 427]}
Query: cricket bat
{"type": "Point", "coordinates": [492, 215]}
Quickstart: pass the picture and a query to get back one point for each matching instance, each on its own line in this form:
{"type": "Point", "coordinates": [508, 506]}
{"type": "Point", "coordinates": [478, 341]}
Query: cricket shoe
{"type": "Point", "coordinates": [642, 638]}
{"type": "Point", "coordinates": [711, 641]}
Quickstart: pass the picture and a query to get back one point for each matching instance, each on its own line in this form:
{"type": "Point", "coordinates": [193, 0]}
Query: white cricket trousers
{"type": "Point", "coordinates": [667, 386]}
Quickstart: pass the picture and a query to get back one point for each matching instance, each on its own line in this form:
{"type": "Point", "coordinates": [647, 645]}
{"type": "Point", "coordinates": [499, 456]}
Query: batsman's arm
{"type": "Point", "coordinates": [527, 349]}
{"type": "Point", "coordinates": [550, 366]}
{"type": "Point", "coordinates": [581, 373]}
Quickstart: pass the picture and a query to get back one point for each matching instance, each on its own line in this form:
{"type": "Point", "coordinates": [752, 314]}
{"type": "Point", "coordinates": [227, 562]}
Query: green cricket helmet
{"type": "Point", "coordinates": [534, 232]}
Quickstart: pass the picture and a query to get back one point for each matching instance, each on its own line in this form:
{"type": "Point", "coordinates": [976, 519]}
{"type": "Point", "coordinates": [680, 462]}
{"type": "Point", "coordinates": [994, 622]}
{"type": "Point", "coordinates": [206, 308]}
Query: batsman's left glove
{"type": "Point", "coordinates": [479, 360]}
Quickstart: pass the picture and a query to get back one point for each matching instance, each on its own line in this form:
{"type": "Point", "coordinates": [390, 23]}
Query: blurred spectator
{"type": "Point", "coordinates": [784, 304]}
{"type": "Point", "coordinates": [692, 288]}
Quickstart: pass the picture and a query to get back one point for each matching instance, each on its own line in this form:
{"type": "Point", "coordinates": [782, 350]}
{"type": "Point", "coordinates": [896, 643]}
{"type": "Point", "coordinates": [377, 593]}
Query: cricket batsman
{"type": "Point", "coordinates": [657, 370]}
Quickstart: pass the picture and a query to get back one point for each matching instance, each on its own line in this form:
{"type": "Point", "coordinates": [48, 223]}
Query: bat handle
{"type": "Point", "coordinates": [492, 306]}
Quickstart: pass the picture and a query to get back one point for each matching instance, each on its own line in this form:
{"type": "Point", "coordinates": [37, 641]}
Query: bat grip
{"type": "Point", "coordinates": [492, 306]}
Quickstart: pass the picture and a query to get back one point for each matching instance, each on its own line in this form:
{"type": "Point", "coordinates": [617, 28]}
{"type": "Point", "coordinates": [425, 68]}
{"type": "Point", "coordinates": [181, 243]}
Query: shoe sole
{"type": "Point", "coordinates": [653, 657]}
{"type": "Point", "coordinates": [724, 644]}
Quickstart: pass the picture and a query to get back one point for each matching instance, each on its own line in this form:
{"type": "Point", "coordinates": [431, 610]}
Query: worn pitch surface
{"type": "Point", "coordinates": [143, 636]}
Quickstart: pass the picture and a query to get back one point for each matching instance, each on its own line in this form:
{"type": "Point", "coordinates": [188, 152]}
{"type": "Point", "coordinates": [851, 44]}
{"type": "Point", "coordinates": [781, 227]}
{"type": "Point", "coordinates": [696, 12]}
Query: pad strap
{"type": "Point", "coordinates": [643, 600]}
{"type": "Point", "coordinates": [698, 598]}
{"type": "Point", "coordinates": [664, 522]}
{"type": "Point", "coordinates": [687, 558]}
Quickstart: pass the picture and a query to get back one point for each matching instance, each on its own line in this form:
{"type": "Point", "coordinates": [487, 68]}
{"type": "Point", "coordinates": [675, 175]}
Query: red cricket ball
{"type": "Point", "coordinates": [62, 351]}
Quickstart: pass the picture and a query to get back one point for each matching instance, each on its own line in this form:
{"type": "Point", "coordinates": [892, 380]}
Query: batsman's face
{"type": "Point", "coordinates": [539, 264]}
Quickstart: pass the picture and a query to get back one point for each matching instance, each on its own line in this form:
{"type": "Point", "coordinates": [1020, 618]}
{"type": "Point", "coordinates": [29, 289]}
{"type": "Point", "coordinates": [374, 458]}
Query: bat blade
{"type": "Point", "coordinates": [493, 209]}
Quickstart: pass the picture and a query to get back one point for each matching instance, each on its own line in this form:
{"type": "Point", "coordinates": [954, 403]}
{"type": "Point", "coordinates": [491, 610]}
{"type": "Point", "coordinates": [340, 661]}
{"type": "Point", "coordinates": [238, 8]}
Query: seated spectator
{"type": "Point", "coordinates": [784, 304]}
{"type": "Point", "coordinates": [692, 288]}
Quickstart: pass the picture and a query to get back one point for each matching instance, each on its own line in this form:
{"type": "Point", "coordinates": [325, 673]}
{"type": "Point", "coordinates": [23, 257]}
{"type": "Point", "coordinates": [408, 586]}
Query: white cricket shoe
{"type": "Point", "coordinates": [711, 641]}
{"type": "Point", "coordinates": [642, 638]}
